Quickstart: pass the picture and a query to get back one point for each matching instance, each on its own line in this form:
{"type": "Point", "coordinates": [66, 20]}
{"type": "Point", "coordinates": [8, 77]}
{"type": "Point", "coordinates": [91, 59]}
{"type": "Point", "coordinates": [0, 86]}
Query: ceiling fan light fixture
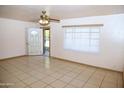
{"type": "Point", "coordinates": [44, 19]}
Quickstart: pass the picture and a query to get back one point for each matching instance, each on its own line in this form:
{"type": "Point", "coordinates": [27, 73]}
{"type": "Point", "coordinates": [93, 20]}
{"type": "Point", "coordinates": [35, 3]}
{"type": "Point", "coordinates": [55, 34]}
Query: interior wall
{"type": "Point", "coordinates": [12, 37]}
{"type": "Point", "coordinates": [111, 54]}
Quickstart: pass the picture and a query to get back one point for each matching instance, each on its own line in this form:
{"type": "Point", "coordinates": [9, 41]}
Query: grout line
{"type": "Point", "coordinates": [89, 77]}
{"type": "Point", "coordinates": [117, 81]}
{"type": "Point", "coordinates": [76, 76]}
{"type": "Point", "coordinates": [102, 80]}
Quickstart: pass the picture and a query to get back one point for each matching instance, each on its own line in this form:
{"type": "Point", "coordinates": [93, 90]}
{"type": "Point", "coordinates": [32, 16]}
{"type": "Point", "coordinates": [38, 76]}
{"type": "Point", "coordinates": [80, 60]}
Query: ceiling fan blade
{"type": "Point", "coordinates": [54, 20]}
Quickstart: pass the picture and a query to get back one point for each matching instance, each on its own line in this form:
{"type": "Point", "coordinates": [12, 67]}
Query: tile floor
{"type": "Point", "coordinates": [44, 72]}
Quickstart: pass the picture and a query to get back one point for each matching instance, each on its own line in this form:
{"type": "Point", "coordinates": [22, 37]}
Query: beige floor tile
{"type": "Point", "coordinates": [77, 83]}
{"type": "Point", "coordinates": [48, 79]}
{"type": "Point", "coordinates": [89, 85]}
{"type": "Point", "coordinates": [66, 78]}
{"type": "Point", "coordinates": [110, 80]}
{"type": "Point", "coordinates": [30, 80]}
{"type": "Point", "coordinates": [17, 73]}
{"type": "Point", "coordinates": [48, 86]}
{"type": "Point", "coordinates": [86, 73]}
{"type": "Point", "coordinates": [77, 71]}
{"type": "Point", "coordinates": [56, 75]}
{"type": "Point", "coordinates": [68, 69]}
{"type": "Point", "coordinates": [17, 85]}
{"type": "Point", "coordinates": [33, 73]}
{"type": "Point", "coordinates": [72, 74]}
{"type": "Point", "coordinates": [82, 78]}
{"type": "Point", "coordinates": [120, 82]}
{"type": "Point", "coordinates": [40, 76]}
{"type": "Point", "coordinates": [70, 86]}
{"type": "Point", "coordinates": [108, 86]}
{"type": "Point", "coordinates": [58, 84]}
{"type": "Point", "coordinates": [62, 71]}
{"type": "Point", "coordinates": [23, 76]}
{"type": "Point", "coordinates": [10, 80]}
{"type": "Point", "coordinates": [97, 77]}
{"type": "Point", "coordinates": [49, 72]}
{"type": "Point", "coordinates": [100, 73]}
{"type": "Point", "coordinates": [38, 84]}
{"type": "Point", "coordinates": [95, 82]}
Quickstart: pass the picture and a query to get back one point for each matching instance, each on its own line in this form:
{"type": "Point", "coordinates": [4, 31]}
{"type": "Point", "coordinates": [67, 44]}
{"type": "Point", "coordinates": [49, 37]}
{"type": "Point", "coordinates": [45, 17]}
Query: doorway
{"type": "Point", "coordinates": [46, 41]}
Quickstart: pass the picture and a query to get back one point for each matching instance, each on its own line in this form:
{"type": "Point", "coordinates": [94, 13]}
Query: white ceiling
{"type": "Point", "coordinates": [33, 12]}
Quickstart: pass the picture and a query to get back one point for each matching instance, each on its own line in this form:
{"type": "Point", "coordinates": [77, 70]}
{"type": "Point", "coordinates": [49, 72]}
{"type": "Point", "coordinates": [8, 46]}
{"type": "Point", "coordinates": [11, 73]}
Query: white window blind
{"type": "Point", "coordinates": [82, 38]}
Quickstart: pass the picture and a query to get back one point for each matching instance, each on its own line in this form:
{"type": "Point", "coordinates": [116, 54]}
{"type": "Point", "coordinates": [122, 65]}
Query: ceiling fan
{"type": "Point", "coordinates": [45, 19]}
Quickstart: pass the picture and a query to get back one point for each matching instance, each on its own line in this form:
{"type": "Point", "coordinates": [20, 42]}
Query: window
{"type": "Point", "coordinates": [82, 38]}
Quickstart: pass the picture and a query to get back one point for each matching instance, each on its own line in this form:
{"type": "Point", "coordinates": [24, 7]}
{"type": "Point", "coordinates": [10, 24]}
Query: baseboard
{"type": "Point", "coordinates": [86, 64]}
{"type": "Point", "coordinates": [12, 57]}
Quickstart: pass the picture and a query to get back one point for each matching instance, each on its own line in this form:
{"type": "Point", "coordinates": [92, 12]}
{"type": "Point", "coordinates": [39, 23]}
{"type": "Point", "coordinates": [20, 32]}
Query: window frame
{"type": "Point", "coordinates": [90, 28]}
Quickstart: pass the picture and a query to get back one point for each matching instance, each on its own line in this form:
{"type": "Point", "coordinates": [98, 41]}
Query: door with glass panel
{"type": "Point", "coordinates": [35, 41]}
{"type": "Point", "coordinates": [46, 42]}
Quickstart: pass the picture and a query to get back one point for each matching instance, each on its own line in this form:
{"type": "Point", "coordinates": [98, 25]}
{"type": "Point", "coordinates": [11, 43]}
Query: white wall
{"type": "Point", "coordinates": [111, 53]}
{"type": "Point", "coordinates": [12, 37]}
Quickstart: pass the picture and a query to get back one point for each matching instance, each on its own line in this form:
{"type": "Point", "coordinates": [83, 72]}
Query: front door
{"type": "Point", "coordinates": [35, 41]}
